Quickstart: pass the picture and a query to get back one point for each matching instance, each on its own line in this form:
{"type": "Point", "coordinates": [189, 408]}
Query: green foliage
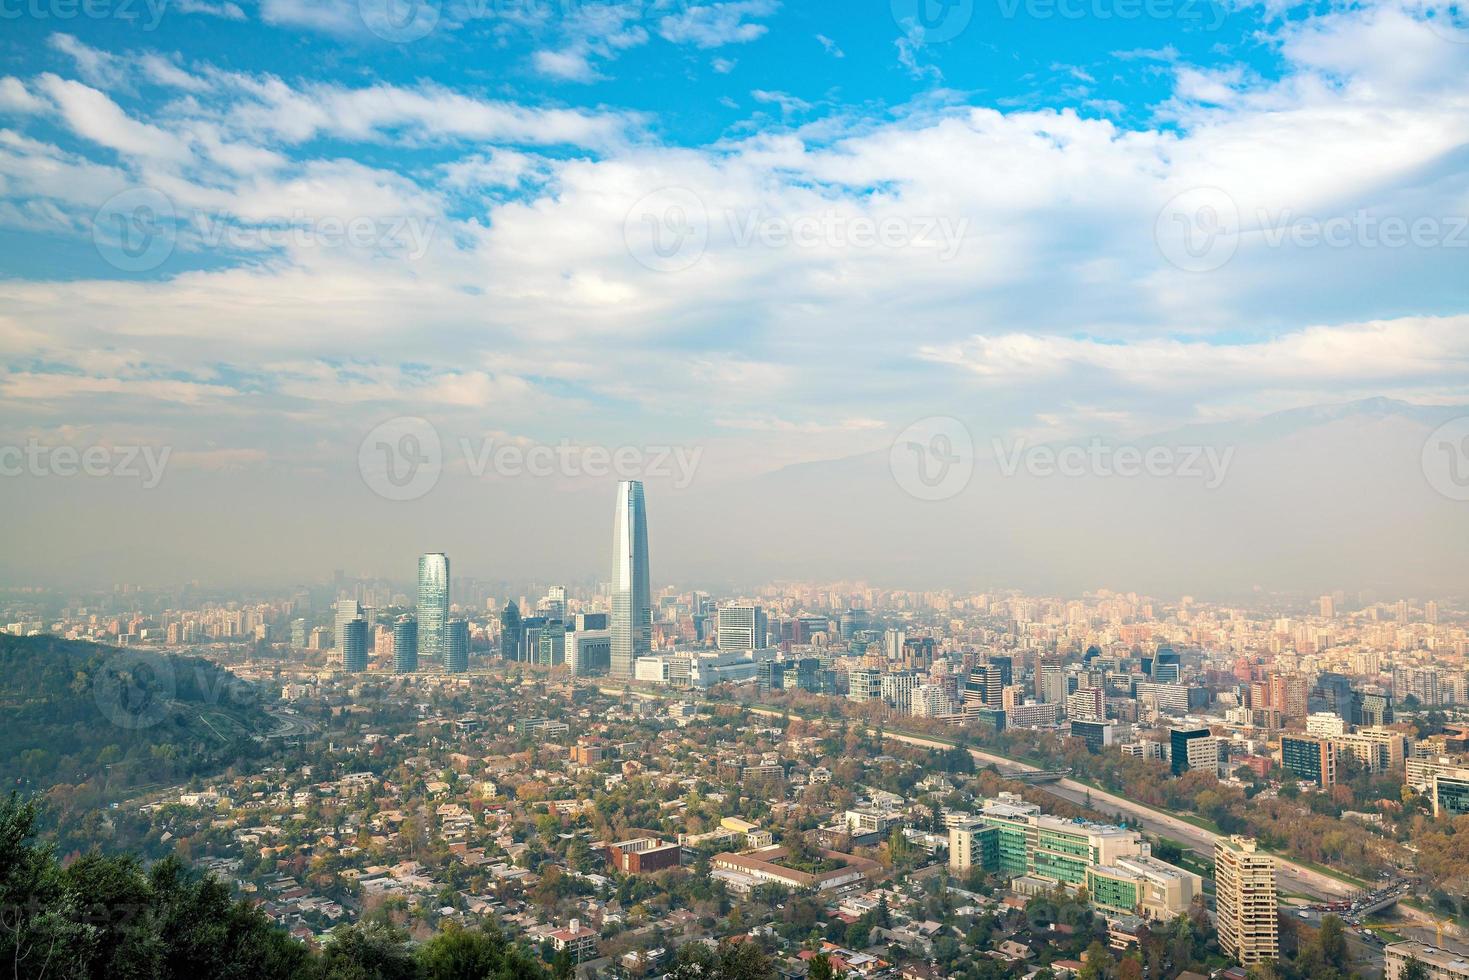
{"type": "Point", "coordinates": [108, 918]}
{"type": "Point", "coordinates": [73, 712]}
{"type": "Point", "coordinates": [731, 961]}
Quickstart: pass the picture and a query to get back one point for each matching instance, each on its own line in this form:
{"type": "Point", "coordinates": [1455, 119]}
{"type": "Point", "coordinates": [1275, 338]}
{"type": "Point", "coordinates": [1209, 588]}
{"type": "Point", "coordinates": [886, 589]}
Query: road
{"type": "Point", "coordinates": [1294, 877]}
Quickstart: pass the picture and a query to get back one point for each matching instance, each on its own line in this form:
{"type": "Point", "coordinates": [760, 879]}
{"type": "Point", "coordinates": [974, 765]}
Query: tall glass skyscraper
{"type": "Point", "coordinates": [433, 606]}
{"type": "Point", "coordinates": [405, 645]}
{"type": "Point", "coordinates": [632, 600]}
{"type": "Point", "coordinates": [353, 642]}
{"type": "Point", "coordinates": [456, 658]}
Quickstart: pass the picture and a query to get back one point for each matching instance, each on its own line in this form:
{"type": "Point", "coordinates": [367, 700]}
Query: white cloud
{"type": "Point", "coordinates": [15, 97]}
{"type": "Point", "coordinates": [1424, 349]}
{"type": "Point", "coordinates": [718, 24]}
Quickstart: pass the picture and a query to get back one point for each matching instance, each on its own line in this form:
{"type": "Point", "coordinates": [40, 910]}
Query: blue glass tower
{"type": "Point", "coordinates": [354, 645]}
{"type": "Point", "coordinates": [456, 659]}
{"type": "Point", "coordinates": [433, 605]}
{"type": "Point", "coordinates": [405, 645]}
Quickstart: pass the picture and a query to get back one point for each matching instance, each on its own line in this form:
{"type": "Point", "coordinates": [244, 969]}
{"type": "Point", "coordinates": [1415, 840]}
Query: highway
{"type": "Point", "coordinates": [1295, 878]}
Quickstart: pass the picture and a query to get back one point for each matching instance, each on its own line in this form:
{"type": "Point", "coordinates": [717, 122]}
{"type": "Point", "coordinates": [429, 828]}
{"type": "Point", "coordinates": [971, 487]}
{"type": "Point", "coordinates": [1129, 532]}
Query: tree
{"type": "Point", "coordinates": [1413, 970]}
{"type": "Point", "coordinates": [821, 969]}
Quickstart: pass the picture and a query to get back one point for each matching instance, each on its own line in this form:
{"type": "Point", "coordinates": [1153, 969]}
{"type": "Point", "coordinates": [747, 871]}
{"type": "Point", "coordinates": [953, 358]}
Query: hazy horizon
{"type": "Point", "coordinates": [895, 296]}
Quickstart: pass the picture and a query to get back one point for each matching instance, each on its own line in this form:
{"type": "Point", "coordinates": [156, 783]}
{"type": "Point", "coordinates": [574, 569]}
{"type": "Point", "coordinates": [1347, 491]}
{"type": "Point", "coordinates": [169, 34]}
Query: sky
{"type": "Point", "coordinates": [279, 248]}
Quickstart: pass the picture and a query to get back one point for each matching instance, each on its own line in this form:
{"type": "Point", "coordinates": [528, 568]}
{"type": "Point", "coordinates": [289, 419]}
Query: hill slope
{"type": "Point", "coordinates": [107, 719]}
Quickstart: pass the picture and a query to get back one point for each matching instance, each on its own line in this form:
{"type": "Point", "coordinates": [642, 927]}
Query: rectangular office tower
{"type": "Point", "coordinates": [1245, 903]}
{"type": "Point", "coordinates": [741, 627]}
{"type": "Point", "coordinates": [405, 645]}
{"type": "Point", "coordinates": [632, 600]}
{"type": "Point", "coordinates": [353, 641]}
{"type": "Point", "coordinates": [433, 606]}
{"type": "Point", "coordinates": [456, 657]}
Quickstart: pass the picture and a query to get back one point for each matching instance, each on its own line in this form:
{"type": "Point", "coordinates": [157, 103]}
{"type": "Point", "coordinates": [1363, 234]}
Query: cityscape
{"type": "Point", "coordinates": [891, 783]}
{"type": "Point", "coordinates": [734, 490]}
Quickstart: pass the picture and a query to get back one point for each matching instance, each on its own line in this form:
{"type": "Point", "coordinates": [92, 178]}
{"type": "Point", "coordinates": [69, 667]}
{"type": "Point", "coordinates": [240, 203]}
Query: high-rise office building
{"type": "Point", "coordinates": [1310, 758]}
{"type": "Point", "coordinates": [741, 627]}
{"type": "Point", "coordinates": [1087, 704]}
{"type": "Point", "coordinates": [405, 645]}
{"type": "Point", "coordinates": [1245, 903]}
{"type": "Point", "coordinates": [553, 604]}
{"type": "Point", "coordinates": [632, 601]}
{"type": "Point", "coordinates": [1186, 748]}
{"type": "Point", "coordinates": [1050, 683]}
{"type": "Point", "coordinates": [1167, 666]}
{"type": "Point", "coordinates": [353, 642]}
{"type": "Point", "coordinates": [512, 633]}
{"type": "Point", "coordinates": [433, 605]}
{"type": "Point", "coordinates": [346, 611]}
{"type": "Point", "coordinates": [456, 656]}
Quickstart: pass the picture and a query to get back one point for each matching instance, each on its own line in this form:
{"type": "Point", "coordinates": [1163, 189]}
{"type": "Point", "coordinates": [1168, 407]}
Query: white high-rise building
{"type": "Point", "coordinates": [1245, 901]}
{"type": "Point", "coordinates": [741, 627]}
{"type": "Point", "coordinates": [347, 610]}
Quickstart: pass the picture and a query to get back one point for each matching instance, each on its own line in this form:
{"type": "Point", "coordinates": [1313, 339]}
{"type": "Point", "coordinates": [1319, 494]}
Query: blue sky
{"type": "Point", "coordinates": [251, 231]}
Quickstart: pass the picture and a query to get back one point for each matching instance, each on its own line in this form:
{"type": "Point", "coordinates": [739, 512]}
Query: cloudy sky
{"type": "Point", "coordinates": [252, 234]}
